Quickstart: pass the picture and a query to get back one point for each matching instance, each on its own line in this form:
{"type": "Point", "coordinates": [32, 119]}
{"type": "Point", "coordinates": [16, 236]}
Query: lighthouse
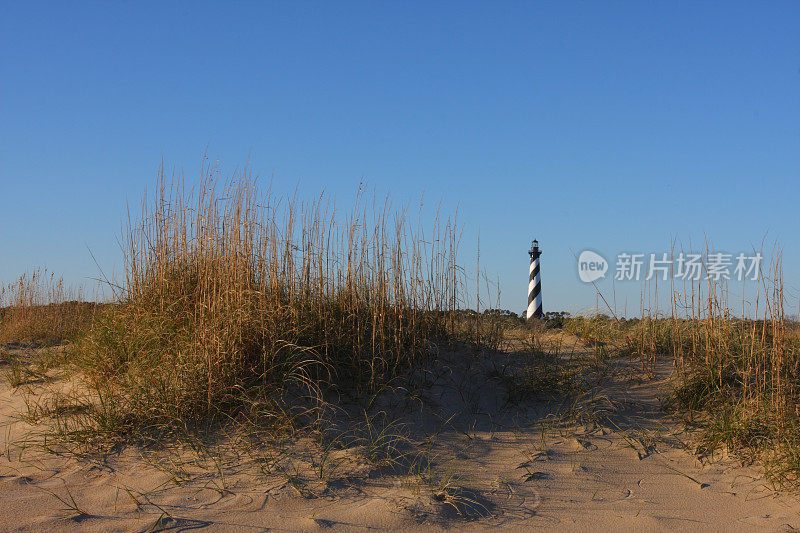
{"type": "Point", "coordinates": [534, 284]}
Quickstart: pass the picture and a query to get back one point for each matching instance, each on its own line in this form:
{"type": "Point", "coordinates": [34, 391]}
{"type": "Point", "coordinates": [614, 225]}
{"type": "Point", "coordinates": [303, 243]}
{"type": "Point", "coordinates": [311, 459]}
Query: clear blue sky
{"type": "Point", "coordinates": [605, 125]}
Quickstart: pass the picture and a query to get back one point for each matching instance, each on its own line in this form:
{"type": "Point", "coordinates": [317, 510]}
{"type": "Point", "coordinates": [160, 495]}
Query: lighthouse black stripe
{"type": "Point", "coordinates": [536, 290]}
{"type": "Point", "coordinates": [534, 273]}
{"type": "Point", "coordinates": [531, 296]}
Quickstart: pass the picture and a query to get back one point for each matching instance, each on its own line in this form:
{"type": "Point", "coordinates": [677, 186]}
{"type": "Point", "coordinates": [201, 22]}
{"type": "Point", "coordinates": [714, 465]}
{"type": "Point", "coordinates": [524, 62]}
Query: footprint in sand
{"type": "Point", "coordinates": [580, 445]}
{"type": "Point", "coordinates": [322, 523]}
{"type": "Point", "coordinates": [20, 480]}
{"type": "Point", "coordinates": [535, 476]}
{"type": "Point", "coordinates": [571, 468]}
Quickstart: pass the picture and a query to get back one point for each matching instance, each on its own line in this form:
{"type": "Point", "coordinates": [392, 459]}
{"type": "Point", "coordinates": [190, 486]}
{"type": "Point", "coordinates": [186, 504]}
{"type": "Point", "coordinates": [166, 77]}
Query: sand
{"type": "Point", "coordinates": [607, 460]}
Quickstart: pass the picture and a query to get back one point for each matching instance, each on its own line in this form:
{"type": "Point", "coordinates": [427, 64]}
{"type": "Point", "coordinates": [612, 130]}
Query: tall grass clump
{"type": "Point", "coordinates": [38, 308]}
{"type": "Point", "coordinates": [739, 375]}
{"type": "Point", "coordinates": [235, 299]}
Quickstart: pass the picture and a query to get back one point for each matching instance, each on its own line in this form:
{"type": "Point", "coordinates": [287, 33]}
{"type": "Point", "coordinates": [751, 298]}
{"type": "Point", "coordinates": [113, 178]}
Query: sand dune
{"type": "Point", "coordinates": [608, 459]}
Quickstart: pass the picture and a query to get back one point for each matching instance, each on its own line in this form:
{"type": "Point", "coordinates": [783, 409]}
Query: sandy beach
{"type": "Point", "coordinates": [604, 459]}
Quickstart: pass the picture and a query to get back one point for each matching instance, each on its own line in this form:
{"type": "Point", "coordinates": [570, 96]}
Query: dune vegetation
{"type": "Point", "coordinates": [267, 327]}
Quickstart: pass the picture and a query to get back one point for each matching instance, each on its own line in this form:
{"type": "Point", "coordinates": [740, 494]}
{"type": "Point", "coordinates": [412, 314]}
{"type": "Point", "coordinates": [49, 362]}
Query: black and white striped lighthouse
{"type": "Point", "coordinates": [534, 284]}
